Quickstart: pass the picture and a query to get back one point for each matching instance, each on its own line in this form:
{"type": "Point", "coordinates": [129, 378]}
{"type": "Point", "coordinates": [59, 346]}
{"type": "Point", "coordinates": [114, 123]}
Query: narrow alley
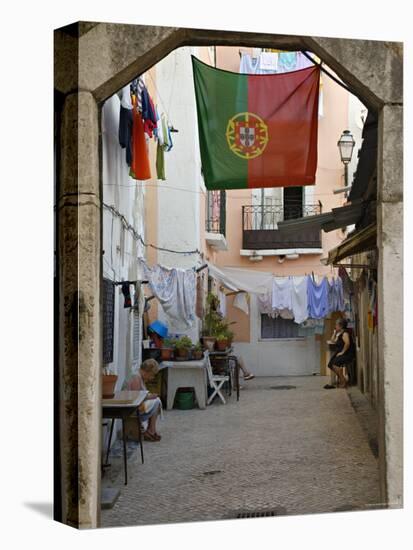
{"type": "Point", "coordinates": [312, 456]}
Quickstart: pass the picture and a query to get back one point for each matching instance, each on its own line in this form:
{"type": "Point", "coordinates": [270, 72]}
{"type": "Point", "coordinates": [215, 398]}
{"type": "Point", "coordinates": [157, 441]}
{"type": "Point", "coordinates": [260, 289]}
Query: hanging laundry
{"type": "Point", "coordinates": [160, 162]}
{"type": "Point", "coordinates": [200, 296]}
{"type": "Point", "coordinates": [140, 168]}
{"type": "Point", "coordinates": [269, 61]}
{"type": "Point", "coordinates": [281, 294]}
{"type": "Point", "coordinates": [222, 308]}
{"type": "Point", "coordinates": [302, 62]}
{"type": "Point", "coordinates": [175, 290]}
{"type": "Point", "coordinates": [265, 304]}
{"type": "Point", "coordinates": [125, 122]}
{"type": "Point", "coordinates": [126, 294]}
{"type": "Point", "coordinates": [166, 134]}
{"type": "Point", "coordinates": [307, 328]}
{"type": "Point", "coordinates": [125, 132]}
{"type": "Point", "coordinates": [299, 299]}
{"type": "Point", "coordinates": [137, 86]}
{"type": "Point", "coordinates": [241, 301]}
{"type": "Point", "coordinates": [317, 295]}
{"type": "Point", "coordinates": [148, 113]}
{"type": "Point", "coordinates": [287, 61]}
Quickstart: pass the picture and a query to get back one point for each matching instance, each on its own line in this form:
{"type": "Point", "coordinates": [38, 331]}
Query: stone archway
{"type": "Point", "coordinates": [93, 61]}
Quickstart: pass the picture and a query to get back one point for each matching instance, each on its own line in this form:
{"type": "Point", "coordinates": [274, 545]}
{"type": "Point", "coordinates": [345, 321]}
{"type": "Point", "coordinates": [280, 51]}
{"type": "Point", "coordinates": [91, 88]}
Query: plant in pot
{"type": "Point", "coordinates": [109, 380]}
{"type": "Point", "coordinates": [197, 351]}
{"type": "Point", "coordinates": [212, 322]}
{"type": "Point", "coordinates": [222, 341]}
{"type": "Point", "coordinates": [182, 347]}
{"type": "Point", "coordinates": [167, 349]}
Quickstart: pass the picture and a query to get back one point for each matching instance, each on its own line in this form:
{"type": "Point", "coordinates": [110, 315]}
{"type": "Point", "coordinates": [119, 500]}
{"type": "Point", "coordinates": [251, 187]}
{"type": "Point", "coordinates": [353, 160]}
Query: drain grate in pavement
{"type": "Point", "coordinates": [285, 387]}
{"type": "Point", "coordinates": [260, 513]}
{"type": "Point", "coordinates": [211, 472]}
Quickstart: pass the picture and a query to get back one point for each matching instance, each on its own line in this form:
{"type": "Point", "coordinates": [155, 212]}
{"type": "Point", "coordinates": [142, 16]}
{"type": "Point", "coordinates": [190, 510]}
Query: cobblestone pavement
{"type": "Point", "coordinates": [291, 451]}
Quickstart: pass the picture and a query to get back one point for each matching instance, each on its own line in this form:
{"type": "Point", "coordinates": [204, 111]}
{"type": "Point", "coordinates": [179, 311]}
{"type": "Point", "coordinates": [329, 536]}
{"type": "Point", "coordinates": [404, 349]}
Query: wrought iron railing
{"type": "Point", "coordinates": [260, 227]}
{"type": "Point", "coordinates": [262, 216]}
{"type": "Point", "coordinates": [216, 212]}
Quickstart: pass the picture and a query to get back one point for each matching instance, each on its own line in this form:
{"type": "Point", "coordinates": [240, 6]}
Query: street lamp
{"type": "Point", "coordinates": [346, 145]}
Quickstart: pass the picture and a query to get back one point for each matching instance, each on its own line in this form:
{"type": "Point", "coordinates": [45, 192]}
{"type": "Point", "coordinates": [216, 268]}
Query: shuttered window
{"type": "Point", "coordinates": [108, 319]}
{"type": "Point", "coordinates": [278, 328]}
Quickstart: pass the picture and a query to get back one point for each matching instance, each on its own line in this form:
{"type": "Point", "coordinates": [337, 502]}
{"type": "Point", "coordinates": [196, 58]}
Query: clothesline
{"type": "Point", "coordinates": [139, 238]}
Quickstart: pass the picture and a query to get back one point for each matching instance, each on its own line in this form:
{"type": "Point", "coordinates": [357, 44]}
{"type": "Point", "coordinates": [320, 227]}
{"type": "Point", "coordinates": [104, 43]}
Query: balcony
{"type": "Point", "coordinates": [215, 225]}
{"type": "Point", "coordinates": [259, 227]}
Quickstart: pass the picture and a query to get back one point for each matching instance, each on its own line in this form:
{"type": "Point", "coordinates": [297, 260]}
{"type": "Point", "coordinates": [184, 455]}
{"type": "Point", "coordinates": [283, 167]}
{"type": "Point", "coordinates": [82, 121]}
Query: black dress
{"type": "Point", "coordinates": [347, 357]}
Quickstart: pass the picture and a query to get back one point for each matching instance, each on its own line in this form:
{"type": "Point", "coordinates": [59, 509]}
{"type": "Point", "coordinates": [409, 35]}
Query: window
{"type": "Point", "coordinates": [216, 210]}
{"type": "Point", "coordinates": [108, 319]}
{"type": "Point", "coordinates": [293, 202]}
{"type": "Point", "coordinates": [278, 328]}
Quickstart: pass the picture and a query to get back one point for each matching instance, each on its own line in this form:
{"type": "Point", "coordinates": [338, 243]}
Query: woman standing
{"type": "Point", "coordinates": [345, 351]}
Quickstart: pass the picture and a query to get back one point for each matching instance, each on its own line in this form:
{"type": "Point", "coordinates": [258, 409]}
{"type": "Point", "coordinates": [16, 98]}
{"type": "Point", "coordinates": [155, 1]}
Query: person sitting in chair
{"type": "Point", "coordinates": [345, 351]}
{"type": "Point", "coordinates": [152, 406]}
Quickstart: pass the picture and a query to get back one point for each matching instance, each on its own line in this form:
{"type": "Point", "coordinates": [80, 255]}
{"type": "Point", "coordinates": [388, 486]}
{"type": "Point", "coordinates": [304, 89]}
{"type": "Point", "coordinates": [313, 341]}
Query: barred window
{"type": "Point", "coordinates": [278, 328]}
{"type": "Point", "coordinates": [108, 319]}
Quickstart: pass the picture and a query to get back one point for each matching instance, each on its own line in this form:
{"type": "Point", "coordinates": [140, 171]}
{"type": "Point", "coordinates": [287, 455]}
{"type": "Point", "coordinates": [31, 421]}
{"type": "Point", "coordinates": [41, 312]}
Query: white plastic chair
{"type": "Point", "coordinates": [215, 381]}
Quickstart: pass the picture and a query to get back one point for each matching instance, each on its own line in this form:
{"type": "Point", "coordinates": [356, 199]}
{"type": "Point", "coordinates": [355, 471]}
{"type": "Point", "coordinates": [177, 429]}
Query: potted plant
{"type": "Point", "coordinates": [167, 349]}
{"type": "Point", "coordinates": [197, 351]}
{"type": "Point", "coordinates": [108, 383]}
{"type": "Point", "coordinates": [212, 321]}
{"type": "Point", "coordinates": [182, 347]}
{"type": "Point", "coordinates": [222, 342]}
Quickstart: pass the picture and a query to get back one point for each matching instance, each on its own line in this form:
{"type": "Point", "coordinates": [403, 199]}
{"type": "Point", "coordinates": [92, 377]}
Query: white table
{"type": "Point", "coordinates": [186, 374]}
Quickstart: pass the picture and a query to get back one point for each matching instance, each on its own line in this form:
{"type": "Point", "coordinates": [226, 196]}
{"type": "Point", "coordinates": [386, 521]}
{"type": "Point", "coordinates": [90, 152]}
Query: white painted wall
{"type": "Point", "coordinates": [120, 249]}
{"type": "Point", "coordinates": [281, 357]}
{"type": "Point", "coordinates": [178, 196]}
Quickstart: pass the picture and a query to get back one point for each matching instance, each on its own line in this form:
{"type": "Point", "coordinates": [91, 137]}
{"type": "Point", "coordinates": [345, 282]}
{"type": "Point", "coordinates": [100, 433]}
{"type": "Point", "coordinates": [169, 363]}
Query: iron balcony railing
{"type": "Point", "coordinates": [216, 212]}
{"type": "Point", "coordinates": [259, 224]}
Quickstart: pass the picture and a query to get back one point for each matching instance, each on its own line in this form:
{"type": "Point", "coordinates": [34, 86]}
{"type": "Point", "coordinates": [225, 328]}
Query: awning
{"type": "Point", "coordinates": [328, 221]}
{"type": "Point", "coordinates": [359, 241]}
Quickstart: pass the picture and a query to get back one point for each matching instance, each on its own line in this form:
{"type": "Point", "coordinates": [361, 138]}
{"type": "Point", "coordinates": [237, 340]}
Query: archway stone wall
{"type": "Point", "coordinates": [93, 61]}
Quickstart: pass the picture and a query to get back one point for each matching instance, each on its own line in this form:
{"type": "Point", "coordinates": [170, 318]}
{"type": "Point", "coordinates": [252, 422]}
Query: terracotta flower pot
{"type": "Point", "coordinates": [182, 353]}
{"type": "Point", "coordinates": [209, 342]}
{"type": "Point", "coordinates": [197, 355]}
{"type": "Point", "coordinates": [108, 385]}
{"type": "Point", "coordinates": [222, 345]}
{"type": "Point", "coordinates": [166, 354]}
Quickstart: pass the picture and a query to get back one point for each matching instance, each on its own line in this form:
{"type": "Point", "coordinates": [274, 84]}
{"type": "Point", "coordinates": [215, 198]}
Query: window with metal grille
{"type": "Point", "coordinates": [137, 336]}
{"type": "Point", "coordinates": [108, 319]}
{"type": "Point", "coordinates": [278, 328]}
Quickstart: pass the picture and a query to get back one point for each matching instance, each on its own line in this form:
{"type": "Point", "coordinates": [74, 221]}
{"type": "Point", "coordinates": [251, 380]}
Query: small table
{"type": "Point", "coordinates": [123, 405]}
{"type": "Point", "coordinates": [183, 374]}
{"type": "Point", "coordinates": [226, 354]}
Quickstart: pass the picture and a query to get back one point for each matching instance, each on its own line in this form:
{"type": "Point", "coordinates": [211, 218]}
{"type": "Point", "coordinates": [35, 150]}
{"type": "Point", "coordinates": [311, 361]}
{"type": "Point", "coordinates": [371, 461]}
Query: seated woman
{"type": "Point", "coordinates": [152, 406]}
{"type": "Point", "coordinates": [345, 351]}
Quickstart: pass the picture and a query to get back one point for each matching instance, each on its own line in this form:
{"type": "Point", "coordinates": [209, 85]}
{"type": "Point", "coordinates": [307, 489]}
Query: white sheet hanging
{"type": "Point", "coordinates": [241, 301]}
{"type": "Point", "coordinates": [281, 293]}
{"type": "Point", "coordinates": [175, 290]}
{"type": "Point", "coordinates": [299, 299]}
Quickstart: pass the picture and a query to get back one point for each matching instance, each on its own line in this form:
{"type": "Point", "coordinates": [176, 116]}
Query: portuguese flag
{"type": "Point", "coordinates": [257, 130]}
